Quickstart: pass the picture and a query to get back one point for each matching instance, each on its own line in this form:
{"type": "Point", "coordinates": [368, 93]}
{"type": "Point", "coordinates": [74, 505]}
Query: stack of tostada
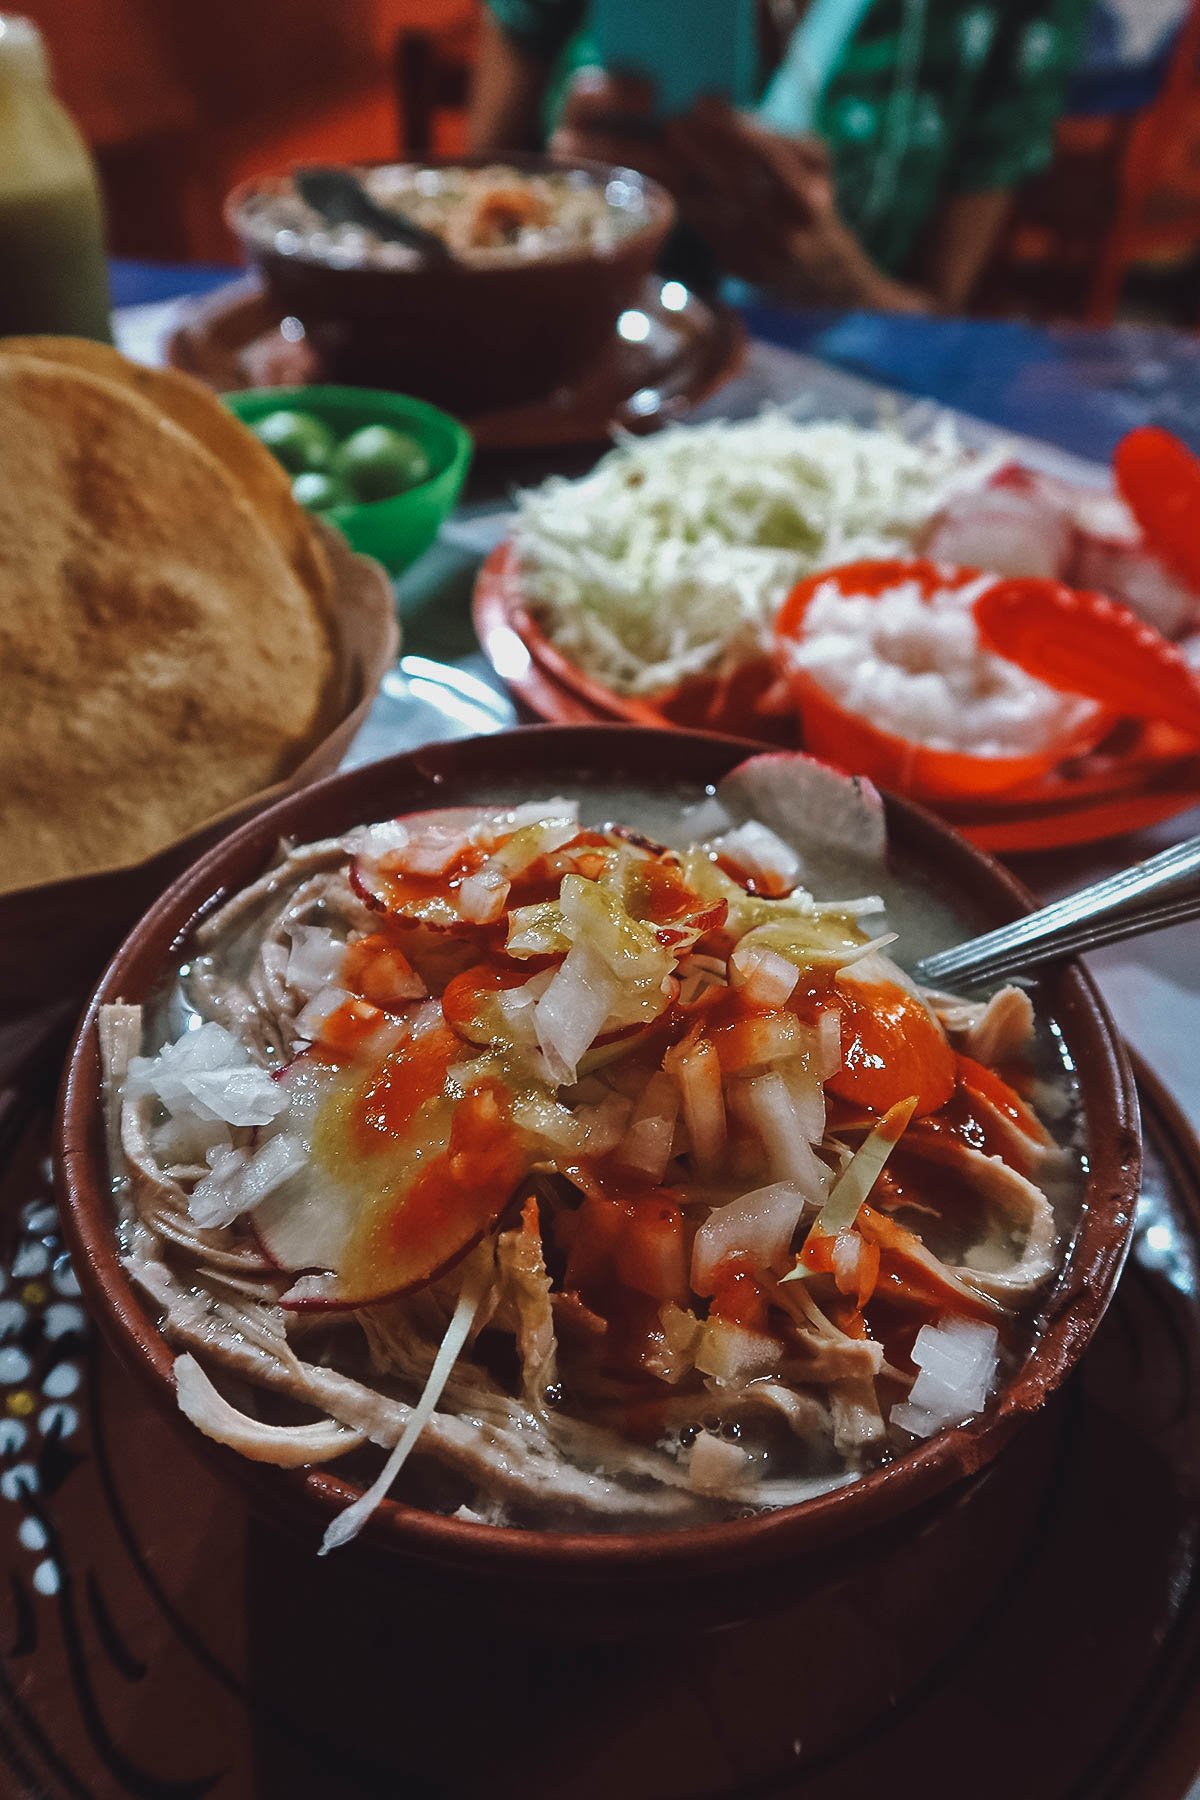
{"type": "Point", "coordinates": [167, 638]}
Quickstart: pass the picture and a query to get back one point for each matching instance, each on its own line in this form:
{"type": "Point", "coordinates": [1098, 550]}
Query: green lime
{"type": "Point", "coordinates": [297, 439]}
{"type": "Point", "coordinates": [317, 491]}
{"type": "Point", "coordinates": [378, 462]}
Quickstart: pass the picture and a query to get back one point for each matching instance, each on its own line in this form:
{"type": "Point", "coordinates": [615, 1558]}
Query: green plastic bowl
{"type": "Point", "coordinates": [398, 530]}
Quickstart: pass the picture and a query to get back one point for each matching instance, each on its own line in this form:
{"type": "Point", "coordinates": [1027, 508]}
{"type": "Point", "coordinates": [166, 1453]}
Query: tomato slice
{"type": "Point", "coordinates": [1159, 480]}
{"type": "Point", "coordinates": [892, 1046]}
{"type": "Point", "coordinates": [1084, 643]}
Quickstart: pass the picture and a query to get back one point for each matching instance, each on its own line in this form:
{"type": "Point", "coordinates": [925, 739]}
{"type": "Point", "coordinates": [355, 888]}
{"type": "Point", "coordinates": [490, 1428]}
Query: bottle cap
{"type": "Point", "coordinates": [22, 50]}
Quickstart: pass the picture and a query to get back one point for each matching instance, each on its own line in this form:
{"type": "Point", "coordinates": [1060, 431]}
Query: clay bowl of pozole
{"type": "Point", "coordinates": [531, 1155]}
{"type": "Point", "coordinates": [527, 266]}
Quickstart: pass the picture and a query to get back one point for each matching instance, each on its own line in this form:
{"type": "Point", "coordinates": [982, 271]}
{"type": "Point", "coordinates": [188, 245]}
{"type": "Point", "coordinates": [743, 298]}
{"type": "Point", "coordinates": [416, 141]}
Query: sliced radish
{"type": "Point", "coordinates": [809, 805]}
{"type": "Point", "coordinates": [1017, 524]}
{"type": "Point", "coordinates": [402, 1177]}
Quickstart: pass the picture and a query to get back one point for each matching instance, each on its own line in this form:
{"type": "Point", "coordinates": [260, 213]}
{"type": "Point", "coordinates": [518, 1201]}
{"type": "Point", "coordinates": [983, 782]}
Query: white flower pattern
{"type": "Point", "coordinates": [42, 1328]}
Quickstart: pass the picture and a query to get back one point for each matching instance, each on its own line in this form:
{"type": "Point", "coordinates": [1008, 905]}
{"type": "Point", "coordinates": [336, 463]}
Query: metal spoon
{"type": "Point", "coordinates": [341, 199]}
{"type": "Point", "coordinates": [1121, 906]}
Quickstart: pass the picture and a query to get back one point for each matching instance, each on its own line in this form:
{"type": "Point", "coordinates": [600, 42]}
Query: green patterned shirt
{"type": "Point", "coordinates": [929, 98]}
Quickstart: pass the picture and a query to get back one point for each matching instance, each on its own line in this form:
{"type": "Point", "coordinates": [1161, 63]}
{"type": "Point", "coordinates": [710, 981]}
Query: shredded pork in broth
{"type": "Point", "coordinates": [624, 1186]}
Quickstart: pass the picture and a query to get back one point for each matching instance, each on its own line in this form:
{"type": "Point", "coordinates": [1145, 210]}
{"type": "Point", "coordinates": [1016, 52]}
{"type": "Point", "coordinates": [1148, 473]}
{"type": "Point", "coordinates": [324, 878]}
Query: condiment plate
{"type": "Point", "coordinates": [154, 1640]}
{"type": "Point", "coordinates": [666, 356]}
{"type": "Point", "coordinates": [1140, 776]}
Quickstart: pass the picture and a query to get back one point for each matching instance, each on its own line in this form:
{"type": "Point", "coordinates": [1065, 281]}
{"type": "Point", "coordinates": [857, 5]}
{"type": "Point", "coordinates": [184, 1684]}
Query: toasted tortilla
{"type": "Point", "coordinates": [195, 409]}
{"type": "Point", "coordinates": [159, 658]}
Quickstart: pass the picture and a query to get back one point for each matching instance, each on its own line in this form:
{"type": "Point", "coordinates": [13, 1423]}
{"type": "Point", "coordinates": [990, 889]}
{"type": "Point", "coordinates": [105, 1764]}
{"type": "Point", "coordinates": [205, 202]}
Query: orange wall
{"type": "Point", "coordinates": [183, 99]}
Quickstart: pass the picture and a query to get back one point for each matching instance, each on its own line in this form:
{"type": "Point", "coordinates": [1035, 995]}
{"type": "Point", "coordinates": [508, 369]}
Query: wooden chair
{"type": "Point", "coordinates": [432, 69]}
{"type": "Point", "coordinates": [1158, 208]}
{"type": "Point", "coordinates": [1121, 190]}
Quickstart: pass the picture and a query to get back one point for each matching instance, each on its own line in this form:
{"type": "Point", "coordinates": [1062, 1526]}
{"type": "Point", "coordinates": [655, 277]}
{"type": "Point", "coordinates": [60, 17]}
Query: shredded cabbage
{"type": "Point", "coordinates": [672, 557]}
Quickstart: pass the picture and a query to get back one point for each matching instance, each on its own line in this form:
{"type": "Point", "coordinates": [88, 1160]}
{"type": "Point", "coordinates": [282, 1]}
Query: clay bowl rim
{"type": "Point", "coordinates": [660, 215]}
{"type": "Point", "coordinates": [1072, 1312]}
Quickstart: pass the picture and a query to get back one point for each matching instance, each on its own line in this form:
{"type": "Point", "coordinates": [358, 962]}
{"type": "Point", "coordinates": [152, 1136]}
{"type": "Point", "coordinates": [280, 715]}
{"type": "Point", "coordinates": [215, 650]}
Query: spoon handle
{"type": "Point", "coordinates": [1074, 923]}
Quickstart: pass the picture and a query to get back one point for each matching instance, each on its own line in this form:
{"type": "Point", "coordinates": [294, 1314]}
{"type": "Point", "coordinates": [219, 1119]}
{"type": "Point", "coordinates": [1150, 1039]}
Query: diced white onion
{"type": "Point", "coordinates": [681, 1330]}
{"type": "Point", "coordinates": [646, 1146]}
{"type": "Point", "coordinates": [829, 1043]}
{"type": "Point", "coordinates": [572, 1011]}
{"type": "Point", "coordinates": [782, 1129]}
{"type": "Point", "coordinates": [733, 1355]}
{"type": "Point", "coordinates": [716, 1465]}
{"type": "Point", "coordinates": [392, 982]}
{"type": "Point", "coordinates": [764, 977]}
{"type": "Point", "coordinates": [208, 1074]}
{"type": "Point", "coordinates": [697, 978]}
{"type": "Point", "coordinates": [380, 839]}
{"type": "Point", "coordinates": [238, 1180]}
{"type": "Point", "coordinates": [314, 960]}
{"type": "Point", "coordinates": [847, 1255]}
{"type": "Point", "coordinates": [319, 1011]}
{"type": "Point", "coordinates": [698, 1074]}
{"type": "Point", "coordinates": [957, 1361]}
{"type": "Point", "coordinates": [381, 1032]}
{"type": "Point", "coordinates": [760, 1226]}
{"type": "Point", "coordinates": [516, 1008]}
{"type": "Point", "coordinates": [808, 1099]}
{"type": "Point", "coordinates": [482, 896]}
{"type": "Point", "coordinates": [425, 1018]}
{"type": "Point", "coordinates": [600, 1128]}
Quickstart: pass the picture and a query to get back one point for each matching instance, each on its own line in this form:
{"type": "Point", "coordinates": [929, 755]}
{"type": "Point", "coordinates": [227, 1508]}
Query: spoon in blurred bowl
{"type": "Point", "coordinates": [341, 199]}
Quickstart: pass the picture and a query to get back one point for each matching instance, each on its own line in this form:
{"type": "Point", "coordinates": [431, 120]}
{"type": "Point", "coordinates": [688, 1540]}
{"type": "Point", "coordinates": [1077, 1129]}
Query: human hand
{"type": "Point", "coordinates": [765, 204]}
{"type": "Point", "coordinates": [610, 118]}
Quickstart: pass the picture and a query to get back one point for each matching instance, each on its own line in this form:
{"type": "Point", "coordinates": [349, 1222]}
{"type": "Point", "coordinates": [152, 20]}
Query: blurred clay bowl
{"type": "Point", "coordinates": [55, 936]}
{"type": "Point", "coordinates": [468, 336]}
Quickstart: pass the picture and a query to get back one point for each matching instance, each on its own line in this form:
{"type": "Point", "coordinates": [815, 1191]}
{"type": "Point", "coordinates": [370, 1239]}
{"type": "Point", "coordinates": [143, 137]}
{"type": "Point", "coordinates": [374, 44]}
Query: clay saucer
{"type": "Point", "coordinates": [681, 350]}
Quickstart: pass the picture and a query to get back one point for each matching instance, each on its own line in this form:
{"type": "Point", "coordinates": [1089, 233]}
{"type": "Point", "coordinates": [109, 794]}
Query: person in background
{"type": "Point", "coordinates": [877, 166]}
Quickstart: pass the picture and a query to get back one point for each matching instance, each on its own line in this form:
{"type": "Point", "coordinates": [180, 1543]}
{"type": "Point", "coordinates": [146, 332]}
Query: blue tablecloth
{"type": "Point", "coordinates": [1080, 389]}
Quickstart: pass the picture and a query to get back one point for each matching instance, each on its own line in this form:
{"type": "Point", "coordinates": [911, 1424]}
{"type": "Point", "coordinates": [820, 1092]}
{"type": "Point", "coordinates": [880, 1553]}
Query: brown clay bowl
{"type": "Point", "coordinates": [54, 937]}
{"type": "Point", "coordinates": [908, 1509]}
{"type": "Point", "coordinates": [470, 337]}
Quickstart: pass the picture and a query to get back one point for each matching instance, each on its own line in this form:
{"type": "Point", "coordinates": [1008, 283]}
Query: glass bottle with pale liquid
{"type": "Point", "coordinates": [53, 275]}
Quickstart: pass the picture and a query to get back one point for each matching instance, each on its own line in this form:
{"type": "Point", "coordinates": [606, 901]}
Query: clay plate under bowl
{"type": "Point", "coordinates": [722, 1570]}
{"type": "Point", "coordinates": [54, 936]}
